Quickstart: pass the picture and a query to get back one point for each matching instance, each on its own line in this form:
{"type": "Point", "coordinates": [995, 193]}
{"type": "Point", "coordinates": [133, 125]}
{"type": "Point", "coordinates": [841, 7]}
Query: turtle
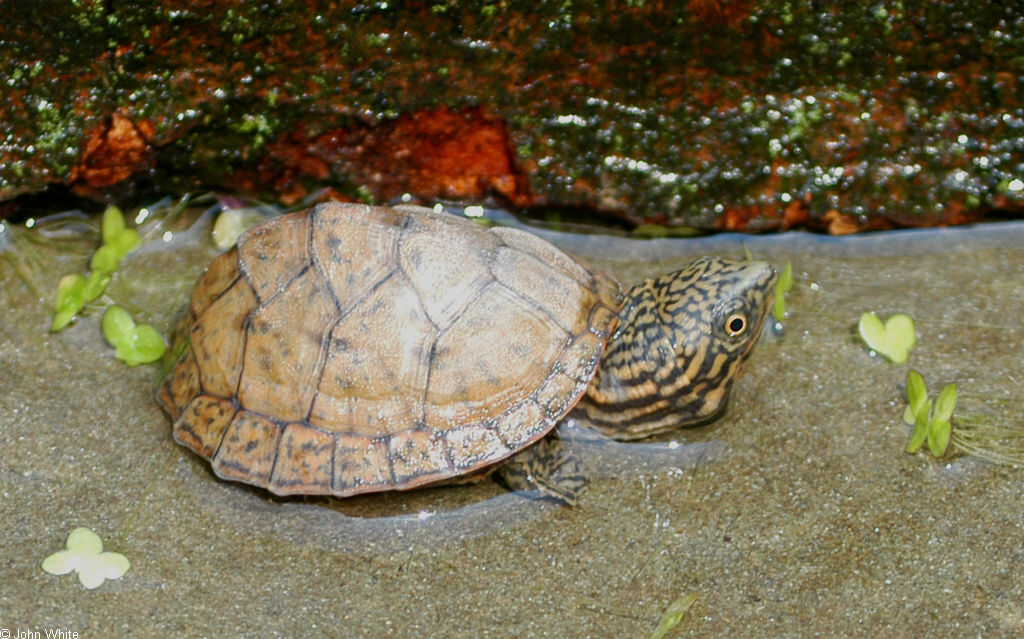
{"type": "Point", "coordinates": [349, 348]}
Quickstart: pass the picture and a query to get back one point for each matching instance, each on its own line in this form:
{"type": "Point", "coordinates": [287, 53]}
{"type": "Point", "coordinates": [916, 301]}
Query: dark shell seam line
{"type": "Point", "coordinates": [224, 432]}
{"type": "Point", "coordinates": [216, 298]}
{"type": "Point", "coordinates": [430, 371]}
{"type": "Point", "coordinates": [277, 450]}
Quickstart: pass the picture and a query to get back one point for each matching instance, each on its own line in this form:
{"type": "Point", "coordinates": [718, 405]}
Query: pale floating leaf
{"type": "Point", "coordinates": [231, 223]}
{"type": "Point", "coordinates": [98, 568]}
{"type": "Point", "coordinates": [95, 285]}
{"type": "Point", "coordinates": [115, 565]}
{"type": "Point", "coordinates": [125, 243]}
{"type": "Point", "coordinates": [104, 260]}
{"type": "Point", "coordinates": [871, 330]}
{"type": "Point", "coordinates": [112, 224]}
{"type": "Point", "coordinates": [893, 339]}
{"type": "Point", "coordinates": [945, 403]}
{"type": "Point", "coordinates": [917, 394]}
{"type": "Point", "coordinates": [782, 286]}
{"type": "Point", "coordinates": [673, 615]}
{"type": "Point", "coordinates": [69, 300]}
{"type": "Point", "coordinates": [118, 326]}
{"type": "Point", "coordinates": [902, 337]}
{"type": "Point", "coordinates": [939, 431]}
{"type": "Point", "coordinates": [144, 346]}
{"type": "Point", "coordinates": [61, 562]}
{"type": "Point", "coordinates": [83, 540]}
{"type": "Point", "coordinates": [84, 555]}
{"type": "Point", "coordinates": [920, 432]}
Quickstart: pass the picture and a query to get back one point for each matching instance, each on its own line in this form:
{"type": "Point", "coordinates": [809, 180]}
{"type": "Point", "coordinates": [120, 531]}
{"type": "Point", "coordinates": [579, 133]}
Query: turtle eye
{"type": "Point", "coordinates": [736, 324]}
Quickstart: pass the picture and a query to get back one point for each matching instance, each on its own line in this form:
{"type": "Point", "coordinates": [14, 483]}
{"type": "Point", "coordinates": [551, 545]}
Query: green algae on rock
{"type": "Point", "coordinates": [750, 115]}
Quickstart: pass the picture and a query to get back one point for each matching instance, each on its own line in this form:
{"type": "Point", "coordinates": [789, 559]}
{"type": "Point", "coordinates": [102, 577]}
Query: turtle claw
{"type": "Point", "coordinates": [546, 469]}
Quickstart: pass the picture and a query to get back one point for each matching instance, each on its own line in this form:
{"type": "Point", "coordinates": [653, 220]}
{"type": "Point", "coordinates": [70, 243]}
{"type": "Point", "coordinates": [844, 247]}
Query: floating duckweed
{"type": "Point", "coordinates": [932, 422]}
{"type": "Point", "coordinates": [893, 340]}
{"type": "Point", "coordinates": [233, 222]}
{"type": "Point", "coordinates": [784, 284]}
{"type": "Point", "coordinates": [70, 300]}
{"type": "Point", "coordinates": [75, 291]}
{"type": "Point", "coordinates": [133, 343]}
{"type": "Point", "coordinates": [120, 239]}
{"type": "Point", "coordinates": [84, 554]}
{"type": "Point", "coordinates": [105, 259]}
{"type": "Point", "coordinates": [674, 614]}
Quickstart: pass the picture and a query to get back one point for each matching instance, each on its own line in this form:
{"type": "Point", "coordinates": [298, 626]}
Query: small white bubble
{"type": "Point", "coordinates": [439, 208]}
{"type": "Point", "coordinates": [962, 139]}
{"type": "Point", "coordinates": [406, 197]}
{"type": "Point", "coordinates": [141, 217]}
{"type": "Point", "coordinates": [167, 237]}
{"type": "Point", "coordinates": [30, 222]}
{"type": "Point", "coordinates": [571, 119]}
{"type": "Point", "coordinates": [1016, 185]}
{"type": "Point", "coordinates": [474, 211]}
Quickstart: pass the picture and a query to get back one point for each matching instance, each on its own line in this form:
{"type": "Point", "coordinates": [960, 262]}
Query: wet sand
{"type": "Point", "coordinates": [796, 515]}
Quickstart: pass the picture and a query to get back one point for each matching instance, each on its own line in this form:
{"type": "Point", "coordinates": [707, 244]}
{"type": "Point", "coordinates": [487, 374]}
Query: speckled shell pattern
{"type": "Point", "coordinates": [350, 349]}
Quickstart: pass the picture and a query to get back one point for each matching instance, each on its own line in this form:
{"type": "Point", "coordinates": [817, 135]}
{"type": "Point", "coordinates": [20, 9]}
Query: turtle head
{"type": "Point", "coordinates": [681, 342]}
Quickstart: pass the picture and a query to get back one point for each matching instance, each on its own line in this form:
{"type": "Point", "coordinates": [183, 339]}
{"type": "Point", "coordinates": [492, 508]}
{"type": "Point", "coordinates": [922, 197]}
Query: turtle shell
{"type": "Point", "coordinates": [349, 349]}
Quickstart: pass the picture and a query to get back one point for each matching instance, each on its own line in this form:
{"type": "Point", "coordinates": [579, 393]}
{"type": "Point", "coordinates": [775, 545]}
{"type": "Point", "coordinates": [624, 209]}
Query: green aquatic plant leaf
{"type": "Point", "coordinates": [931, 420]}
{"type": "Point", "coordinates": [917, 394]}
{"type": "Point", "coordinates": [939, 431]}
{"type": "Point", "coordinates": [945, 403]}
{"type": "Point", "coordinates": [939, 426]}
{"type": "Point", "coordinates": [673, 615]}
{"type": "Point", "coordinates": [116, 237]}
{"type": "Point", "coordinates": [782, 286]}
{"type": "Point", "coordinates": [117, 325]}
{"type": "Point", "coordinates": [920, 432]}
{"type": "Point", "coordinates": [104, 260]}
{"type": "Point", "coordinates": [893, 339]}
{"type": "Point", "coordinates": [95, 284]}
{"type": "Point", "coordinates": [112, 224]}
{"type": "Point", "coordinates": [133, 343]}
{"type": "Point", "coordinates": [84, 554]}
{"type": "Point", "coordinates": [125, 243]}
{"type": "Point", "coordinates": [69, 300]}
{"type": "Point", "coordinates": [231, 223]}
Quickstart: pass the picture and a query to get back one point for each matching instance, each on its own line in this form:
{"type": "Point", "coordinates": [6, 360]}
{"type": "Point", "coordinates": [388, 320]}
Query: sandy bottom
{"type": "Point", "coordinates": [796, 515]}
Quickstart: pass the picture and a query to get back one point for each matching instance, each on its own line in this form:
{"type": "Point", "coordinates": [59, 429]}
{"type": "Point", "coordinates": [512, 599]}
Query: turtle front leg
{"type": "Point", "coordinates": [547, 468]}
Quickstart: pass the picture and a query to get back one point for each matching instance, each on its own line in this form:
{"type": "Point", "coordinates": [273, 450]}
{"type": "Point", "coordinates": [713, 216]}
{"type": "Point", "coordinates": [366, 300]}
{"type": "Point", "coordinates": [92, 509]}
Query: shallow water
{"type": "Point", "coordinates": [795, 515]}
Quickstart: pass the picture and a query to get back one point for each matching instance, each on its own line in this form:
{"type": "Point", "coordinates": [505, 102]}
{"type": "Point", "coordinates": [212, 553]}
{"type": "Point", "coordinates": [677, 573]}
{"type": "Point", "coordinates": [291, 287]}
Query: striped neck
{"type": "Point", "coordinates": [681, 342]}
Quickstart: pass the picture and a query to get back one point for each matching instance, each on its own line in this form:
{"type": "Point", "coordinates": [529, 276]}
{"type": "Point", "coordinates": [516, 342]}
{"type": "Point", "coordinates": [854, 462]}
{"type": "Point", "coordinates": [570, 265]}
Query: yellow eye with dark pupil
{"type": "Point", "coordinates": [736, 324]}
